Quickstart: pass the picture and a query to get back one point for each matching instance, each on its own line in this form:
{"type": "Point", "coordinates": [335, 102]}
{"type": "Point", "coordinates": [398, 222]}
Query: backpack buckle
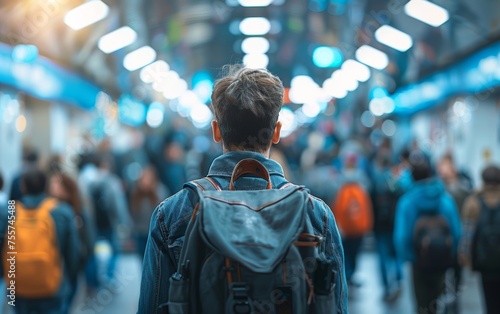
{"type": "Point", "coordinates": [239, 301]}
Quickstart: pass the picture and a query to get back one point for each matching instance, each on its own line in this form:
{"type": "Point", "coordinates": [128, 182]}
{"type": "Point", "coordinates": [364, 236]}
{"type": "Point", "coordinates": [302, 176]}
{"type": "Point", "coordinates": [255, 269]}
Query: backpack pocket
{"type": "Point", "coordinates": [178, 295]}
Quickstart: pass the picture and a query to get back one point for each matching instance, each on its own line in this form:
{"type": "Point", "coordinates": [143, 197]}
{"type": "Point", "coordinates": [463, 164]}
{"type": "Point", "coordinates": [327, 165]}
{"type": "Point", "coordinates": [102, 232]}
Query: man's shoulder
{"type": "Point", "coordinates": [62, 210]}
{"type": "Point", "coordinates": [175, 207]}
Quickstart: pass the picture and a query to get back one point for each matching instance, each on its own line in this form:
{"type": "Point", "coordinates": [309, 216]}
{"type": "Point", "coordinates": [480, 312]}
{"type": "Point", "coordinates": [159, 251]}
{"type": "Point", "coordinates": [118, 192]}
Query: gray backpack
{"type": "Point", "coordinates": [251, 251]}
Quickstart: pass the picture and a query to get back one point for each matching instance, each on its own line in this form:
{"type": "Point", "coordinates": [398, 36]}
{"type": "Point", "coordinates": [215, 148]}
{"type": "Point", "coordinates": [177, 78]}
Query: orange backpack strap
{"type": "Point", "coordinates": [44, 207]}
{"type": "Point", "coordinates": [48, 204]}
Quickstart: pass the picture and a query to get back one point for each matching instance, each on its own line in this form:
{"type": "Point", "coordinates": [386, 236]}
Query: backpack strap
{"type": "Point", "coordinates": [203, 184]}
{"type": "Point", "coordinates": [485, 210]}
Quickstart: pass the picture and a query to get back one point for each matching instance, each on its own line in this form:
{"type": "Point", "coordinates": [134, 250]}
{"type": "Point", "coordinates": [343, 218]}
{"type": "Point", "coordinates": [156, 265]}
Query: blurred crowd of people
{"type": "Point", "coordinates": [418, 210]}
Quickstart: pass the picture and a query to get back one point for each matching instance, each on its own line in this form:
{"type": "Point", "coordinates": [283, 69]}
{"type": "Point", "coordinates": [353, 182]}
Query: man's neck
{"type": "Point", "coordinates": [264, 153]}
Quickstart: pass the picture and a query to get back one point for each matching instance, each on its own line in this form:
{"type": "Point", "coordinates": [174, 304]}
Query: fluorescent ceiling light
{"type": "Point", "coordinates": [154, 71]}
{"type": "Point", "coordinates": [86, 14]}
{"type": "Point", "coordinates": [334, 89]}
{"type": "Point", "coordinates": [255, 26]}
{"type": "Point", "coordinates": [427, 12]}
{"type": "Point", "coordinates": [139, 58]}
{"type": "Point", "coordinates": [117, 39]}
{"type": "Point", "coordinates": [394, 38]}
{"type": "Point", "coordinates": [357, 70]}
{"type": "Point", "coordinates": [372, 57]}
{"type": "Point", "coordinates": [255, 45]}
{"type": "Point", "coordinates": [256, 61]}
{"type": "Point", "coordinates": [344, 80]}
{"type": "Point", "coordinates": [255, 3]}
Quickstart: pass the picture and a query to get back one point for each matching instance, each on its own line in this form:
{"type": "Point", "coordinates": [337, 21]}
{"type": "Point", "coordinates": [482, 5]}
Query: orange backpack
{"type": "Point", "coordinates": [353, 210]}
{"type": "Point", "coordinates": [38, 266]}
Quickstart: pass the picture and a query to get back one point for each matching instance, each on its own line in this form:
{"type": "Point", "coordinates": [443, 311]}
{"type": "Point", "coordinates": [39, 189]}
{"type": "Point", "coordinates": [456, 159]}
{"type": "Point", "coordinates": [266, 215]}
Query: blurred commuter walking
{"type": "Point", "coordinates": [110, 216]}
{"type": "Point", "coordinates": [47, 249]}
{"type": "Point", "coordinates": [385, 194]}
{"type": "Point", "coordinates": [480, 244]}
{"type": "Point", "coordinates": [426, 232]}
{"type": "Point", "coordinates": [65, 189]}
{"type": "Point", "coordinates": [459, 189]}
{"type": "Point", "coordinates": [145, 195]}
{"type": "Point", "coordinates": [353, 210]}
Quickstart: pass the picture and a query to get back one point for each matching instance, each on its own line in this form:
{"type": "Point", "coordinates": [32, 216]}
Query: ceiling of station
{"type": "Point", "coordinates": [202, 35]}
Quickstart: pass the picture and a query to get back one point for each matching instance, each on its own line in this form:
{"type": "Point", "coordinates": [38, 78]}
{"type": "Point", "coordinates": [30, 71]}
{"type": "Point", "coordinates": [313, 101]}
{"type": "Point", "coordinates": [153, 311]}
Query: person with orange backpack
{"type": "Point", "coordinates": [40, 249]}
{"type": "Point", "coordinates": [352, 208]}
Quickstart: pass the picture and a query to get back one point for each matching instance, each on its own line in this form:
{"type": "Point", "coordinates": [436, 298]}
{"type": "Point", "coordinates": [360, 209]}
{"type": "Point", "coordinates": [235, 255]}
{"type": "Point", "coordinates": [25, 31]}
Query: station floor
{"type": "Point", "coordinates": [123, 296]}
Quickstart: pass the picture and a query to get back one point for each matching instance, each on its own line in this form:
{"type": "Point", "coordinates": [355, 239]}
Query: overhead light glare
{"type": "Point", "coordinates": [393, 38]}
{"type": "Point", "coordinates": [427, 12]}
{"type": "Point", "coordinates": [255, 45]}
{"type": "Point", "coordinates": [358, 70]}
{"type": "Point", "coordinates": [256, 61]}
{"type": "Point", "coordinates": [372, 57]}
{"type": "Point", "coordinates": [255, 26]}
{"type": "Point", "coordinates": [86, 14]}
{"type": "Point", "coordinates": [154, 71]}
{"type": "Point", "coordinates": [139, 58]}
{"type": "Point", "coordinates": [255, 3]}
{"type": "Point", "coordinates": [118, 39]}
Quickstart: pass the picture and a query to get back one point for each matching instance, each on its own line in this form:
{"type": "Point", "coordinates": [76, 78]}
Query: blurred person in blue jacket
{"type": "Point", "coordinates": [427, 231]}
{"type": "Point", "coordinates": [33, 184]}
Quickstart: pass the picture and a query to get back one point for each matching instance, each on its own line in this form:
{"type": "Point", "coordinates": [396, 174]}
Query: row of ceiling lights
{"type": "Point", "coordinates": [157, 73]}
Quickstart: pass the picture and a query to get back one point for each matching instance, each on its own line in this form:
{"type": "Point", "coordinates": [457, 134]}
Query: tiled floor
{"type": "Point", "coordinates": [123, 296]}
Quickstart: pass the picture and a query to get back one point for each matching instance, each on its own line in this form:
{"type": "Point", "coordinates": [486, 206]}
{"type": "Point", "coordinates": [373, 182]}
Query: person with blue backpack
{"type": "Point", "coordinates": [427, 231]}
{"type": "Point", "coordinates": [244, 239]}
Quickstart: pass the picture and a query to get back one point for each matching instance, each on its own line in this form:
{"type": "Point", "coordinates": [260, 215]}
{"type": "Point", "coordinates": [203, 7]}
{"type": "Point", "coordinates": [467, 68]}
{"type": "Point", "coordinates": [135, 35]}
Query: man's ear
{"type": "Point", "coordinates": [277, 132]}
{"type": "Point", "coordinates": [216, 131]}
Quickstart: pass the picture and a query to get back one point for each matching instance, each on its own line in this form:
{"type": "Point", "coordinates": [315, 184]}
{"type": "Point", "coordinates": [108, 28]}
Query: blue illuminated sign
{"type": "Point", "coordinates": [475, 74]}
{"type": "Point", "coordinates": [41, 78]}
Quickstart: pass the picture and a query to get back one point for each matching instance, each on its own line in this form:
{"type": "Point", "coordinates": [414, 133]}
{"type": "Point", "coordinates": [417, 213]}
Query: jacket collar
{"type": "Point", "coordinates": [223, 165]}
{"type": "Point", "coordinates": [32, 201]}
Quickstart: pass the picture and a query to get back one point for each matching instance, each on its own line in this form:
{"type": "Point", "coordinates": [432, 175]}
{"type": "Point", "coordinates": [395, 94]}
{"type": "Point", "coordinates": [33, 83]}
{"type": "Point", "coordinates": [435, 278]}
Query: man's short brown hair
{"type": "Point", "coordinates": [246, 103]}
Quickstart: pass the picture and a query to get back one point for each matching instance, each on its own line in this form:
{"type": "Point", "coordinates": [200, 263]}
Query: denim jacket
{"type": "Point", "coordinates": [171, 217]}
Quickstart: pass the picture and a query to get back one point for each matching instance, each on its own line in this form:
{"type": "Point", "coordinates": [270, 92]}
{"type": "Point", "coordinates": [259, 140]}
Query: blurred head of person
{"type": "Point", "coordinates": [491, 175]}
{"type": "Point", "coordinates": [55, 164]}
{"type": "Point", "coordinates": [104, 161]}
{"type": "Point", "coordinates": [446, 168]}
{"type": "Point", "coordinates": [246, 104]}
{"type": "Point", "coordinates": [147, 180]}
{"type": "Point", "coordinates": [64, 188]}
{"type": "Point", "coordinates": [33, 182]}
{"type": "Point", "coordinates": [30, 156]}
{"type": "Point", "coordinates": [351, 161]}
{"type": "Point", "coordinates": [145, 188]}
{"type": "Point", "coordinates": [384, 158]}
{"type": "Point", "coordinates": [420, 165]}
